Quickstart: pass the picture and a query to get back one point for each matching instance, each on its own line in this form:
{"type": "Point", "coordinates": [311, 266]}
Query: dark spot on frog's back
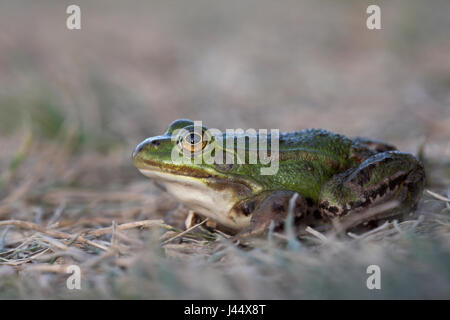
{"type": "Point", "coordinates": [324, 205]}
{"type": "Point", "coordinates": [373, 194]}
{"type": "Point", "coordinates": [397, 181]}
{"type": "Point", "coordinates": [363, 176]}
{"type": "Point", "coordinates": [382, 189]}
{"type": "Point", "coordinates": [333, 209]}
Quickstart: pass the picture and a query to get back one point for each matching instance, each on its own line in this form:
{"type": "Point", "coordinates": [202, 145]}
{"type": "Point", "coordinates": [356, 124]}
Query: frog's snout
{"type": "Point", "coordinates": [148, 145]}
{"type": "Point", "coordinates": [138, 150]}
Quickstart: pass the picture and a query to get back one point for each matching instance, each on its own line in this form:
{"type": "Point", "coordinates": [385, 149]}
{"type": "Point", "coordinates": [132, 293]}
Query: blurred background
{"type": "Point", "coordinates": [75, 103]}
{"type": "Point", "coordinates": [136, 66]}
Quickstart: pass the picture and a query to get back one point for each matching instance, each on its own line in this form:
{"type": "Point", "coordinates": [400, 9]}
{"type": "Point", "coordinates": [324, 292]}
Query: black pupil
{"type": "Point", "coordinates": [194, 138]}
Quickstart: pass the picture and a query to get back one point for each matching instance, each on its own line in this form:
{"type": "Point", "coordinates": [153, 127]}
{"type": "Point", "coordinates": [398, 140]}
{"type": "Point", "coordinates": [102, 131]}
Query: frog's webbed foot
{"type": "Point", "coordinates": [388, 176]}
{"type": "Point", "coordinates": [273, 208]}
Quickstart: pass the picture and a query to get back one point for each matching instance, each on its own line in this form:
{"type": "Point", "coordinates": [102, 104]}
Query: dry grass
{"type": "Point", "coordinates": [129, 246]}
{"type": "Point", "coordinates": [69, 119]}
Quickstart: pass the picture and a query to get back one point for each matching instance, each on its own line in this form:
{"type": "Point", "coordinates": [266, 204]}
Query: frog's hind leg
{"type": "Point", "coordinates": [383, 177]}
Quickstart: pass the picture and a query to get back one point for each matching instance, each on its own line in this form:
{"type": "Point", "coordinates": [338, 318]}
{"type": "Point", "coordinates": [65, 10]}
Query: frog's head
{"type": "Point", "coordinates": [178, 160]}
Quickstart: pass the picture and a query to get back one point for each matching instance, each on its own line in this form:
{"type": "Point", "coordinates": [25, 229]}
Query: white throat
{"type": "Point", "coordinates": [198, 196]}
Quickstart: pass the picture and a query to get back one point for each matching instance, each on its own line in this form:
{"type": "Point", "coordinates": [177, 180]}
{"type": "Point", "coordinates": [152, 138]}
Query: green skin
{"type": "Point", "coordinates": [334, 177]}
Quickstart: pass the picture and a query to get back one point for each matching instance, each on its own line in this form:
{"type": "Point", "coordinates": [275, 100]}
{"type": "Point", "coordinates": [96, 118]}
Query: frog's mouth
{"type": "Point", "coordinates": [172, 172]}
{"type": "Point", "coordinates": [172, 176]}
{"type": "Point", "coordinates": [169, 168]}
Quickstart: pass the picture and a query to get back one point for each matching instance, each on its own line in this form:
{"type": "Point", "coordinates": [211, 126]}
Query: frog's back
{"type": "Point", "coordinates": [309, 158]}
{"type": "Point", "coordinates": [316, 141]}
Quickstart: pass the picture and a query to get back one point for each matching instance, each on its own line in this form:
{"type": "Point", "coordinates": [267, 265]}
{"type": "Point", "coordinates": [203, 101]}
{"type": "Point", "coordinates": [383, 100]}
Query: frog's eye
{"type": "Point", "coordinates": [193, 142]}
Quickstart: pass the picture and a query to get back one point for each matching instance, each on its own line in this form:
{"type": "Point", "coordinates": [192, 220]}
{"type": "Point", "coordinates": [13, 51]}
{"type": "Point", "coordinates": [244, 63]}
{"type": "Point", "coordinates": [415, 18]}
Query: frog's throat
{"type": "Point", "coordinates": [211, 197]}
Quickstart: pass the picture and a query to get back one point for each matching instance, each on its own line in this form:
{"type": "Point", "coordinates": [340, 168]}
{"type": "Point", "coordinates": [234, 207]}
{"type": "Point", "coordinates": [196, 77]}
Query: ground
{"type": "Point", "coordinates": [74, 104]}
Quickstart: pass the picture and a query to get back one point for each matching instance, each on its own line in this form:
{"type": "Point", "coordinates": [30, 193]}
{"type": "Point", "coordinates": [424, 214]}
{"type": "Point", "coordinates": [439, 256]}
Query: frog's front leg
{"type": "Point", "coordinates": [271, 207]}
{"type": "Point", "coordinates": [386, 176]}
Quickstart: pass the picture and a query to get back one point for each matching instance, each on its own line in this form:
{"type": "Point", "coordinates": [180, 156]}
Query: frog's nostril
{"type": "Point", "coordinates": [144, 144]}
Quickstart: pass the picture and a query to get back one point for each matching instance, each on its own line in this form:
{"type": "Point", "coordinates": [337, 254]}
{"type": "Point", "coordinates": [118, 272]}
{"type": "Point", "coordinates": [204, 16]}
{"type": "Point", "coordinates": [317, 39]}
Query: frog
{"type": "Point", "coordinates": [321, 177]}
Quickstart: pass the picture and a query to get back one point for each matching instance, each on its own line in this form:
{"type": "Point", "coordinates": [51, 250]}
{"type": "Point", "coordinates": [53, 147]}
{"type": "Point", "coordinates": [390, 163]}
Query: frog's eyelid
{"type": "Point", "coordinates": [178, 134]}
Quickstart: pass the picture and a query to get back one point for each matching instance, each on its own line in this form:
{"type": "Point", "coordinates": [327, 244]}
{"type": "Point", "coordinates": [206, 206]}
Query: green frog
{"type": "Point", "coordinates": [331, 176]}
